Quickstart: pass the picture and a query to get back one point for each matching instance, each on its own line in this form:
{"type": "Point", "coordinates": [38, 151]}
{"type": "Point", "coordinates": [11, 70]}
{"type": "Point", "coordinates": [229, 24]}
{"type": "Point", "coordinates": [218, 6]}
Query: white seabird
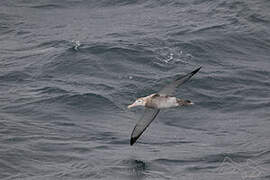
{"type": "Point", "coordinates": [154, 102]}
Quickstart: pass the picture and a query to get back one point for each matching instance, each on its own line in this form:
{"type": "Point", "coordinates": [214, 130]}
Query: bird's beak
{"type": "Point", "coordinates": [188, 102]}
{"type": "Point", "coordinates": [132, 105]}
{"type": "Point", "coordinates": [191, 103]}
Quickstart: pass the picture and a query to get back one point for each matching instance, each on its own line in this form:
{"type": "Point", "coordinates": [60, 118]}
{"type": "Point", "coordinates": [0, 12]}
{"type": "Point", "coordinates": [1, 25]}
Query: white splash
{"type": "Point", "coordinates": [168, 55]}
{"type": "Point", "coordinates": [76, 44]}
{"type": "Point", "coordinates": [246, 170]}
{"type": "Point", "coordinates": [169, 59]}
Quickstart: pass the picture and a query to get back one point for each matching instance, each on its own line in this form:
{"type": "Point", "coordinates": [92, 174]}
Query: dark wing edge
{"type": "Point", "coordinates": [170, 88]}
{"type": "Point", "coordinates": [148, 116]}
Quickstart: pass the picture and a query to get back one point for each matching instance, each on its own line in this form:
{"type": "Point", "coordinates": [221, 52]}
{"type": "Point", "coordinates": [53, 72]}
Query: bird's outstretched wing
{"type": "Point", "coordinates": [148, 116]}
{"type": "Point", "coordinates": [170, 88]}
{"type": "Point", "coordinates": [151, 113]}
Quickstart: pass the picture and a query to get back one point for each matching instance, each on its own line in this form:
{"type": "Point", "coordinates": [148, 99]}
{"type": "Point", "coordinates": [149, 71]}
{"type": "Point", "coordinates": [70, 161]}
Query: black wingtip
{"type": "Point", "coordinates": [196, 70]}
{"type": "Point", "coordinates": [133, 140]}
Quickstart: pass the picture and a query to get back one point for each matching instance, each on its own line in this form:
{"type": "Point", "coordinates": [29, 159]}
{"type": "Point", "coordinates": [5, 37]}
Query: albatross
{"type": "Point", "coordinates": [154, 102]}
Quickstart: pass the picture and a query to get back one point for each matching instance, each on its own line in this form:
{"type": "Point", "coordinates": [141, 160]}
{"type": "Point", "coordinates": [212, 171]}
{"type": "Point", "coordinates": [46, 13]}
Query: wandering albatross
{"type": "Point", "coordinates": [154, 102]}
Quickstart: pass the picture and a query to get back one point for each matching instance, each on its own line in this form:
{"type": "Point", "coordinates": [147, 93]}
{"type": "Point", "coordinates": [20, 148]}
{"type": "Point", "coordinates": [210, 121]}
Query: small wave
{"type": "Point", "coordinates": [116, 3]}
{"type": "Point", "coordinates": [15, 76]}
{"type": "Point", "coordinates": [44, 48]}
{"type": "Point", "coordinates": [237, 156]}
{"type": "Point", "coordinates": [257, 18]}
{"type": "Point", "coordinates": [113, 48]}
{"type": "Point", "coordinates": [51, 90]}
{"type": "Point", "coordinates": [176, 161]}
{"type": "Point", "coordinates": [210, 28]}
{"type": "Point", "coordinates": [47, 6]}
{"type": "Point", "coordinates": [87, 101]}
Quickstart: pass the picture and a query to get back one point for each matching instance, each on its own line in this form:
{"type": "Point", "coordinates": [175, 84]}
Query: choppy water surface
{"type": "Point", "coordinates": [68, 69]}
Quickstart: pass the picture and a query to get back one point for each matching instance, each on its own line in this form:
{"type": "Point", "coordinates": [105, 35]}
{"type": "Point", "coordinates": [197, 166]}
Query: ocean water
{"type": "Point", "coordinates": [69, 68]}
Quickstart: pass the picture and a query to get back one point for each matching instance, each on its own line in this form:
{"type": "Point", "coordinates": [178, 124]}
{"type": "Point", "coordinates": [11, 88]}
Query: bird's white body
{"type": "Point", "coordinates": [168, 102]}
{"type": "Point", "coordinates": [161, 102]}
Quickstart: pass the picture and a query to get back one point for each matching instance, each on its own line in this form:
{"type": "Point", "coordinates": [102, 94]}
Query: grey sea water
{"type": "Point", "coordinates": [68, 70]}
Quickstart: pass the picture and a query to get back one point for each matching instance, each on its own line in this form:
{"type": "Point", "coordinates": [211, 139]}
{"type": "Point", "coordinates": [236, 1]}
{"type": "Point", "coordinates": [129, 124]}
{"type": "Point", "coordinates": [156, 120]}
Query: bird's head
{"type": "Point", "coordinates": [183, 102]}
{"type": "Point", "coordinates": [138, 102]}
